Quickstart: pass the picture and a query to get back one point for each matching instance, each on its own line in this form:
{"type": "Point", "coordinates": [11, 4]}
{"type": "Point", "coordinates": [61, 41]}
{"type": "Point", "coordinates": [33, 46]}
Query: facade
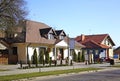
{"type": "Point", "coordinates": [97, 46]}
{"type": "Point", "coordinates": [35, 35]}
{"type": "Point", "coordinates": [117, 53]}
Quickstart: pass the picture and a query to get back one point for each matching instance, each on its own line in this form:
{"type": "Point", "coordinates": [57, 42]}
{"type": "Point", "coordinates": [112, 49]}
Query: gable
{"type": "Point", "coordinates": [60, 32]}
{"type": "Point", "coordinates": [108, 41]}
{"type": "Point", "coordinates": [63, 33]}
{"type": "Point", "coordinates": [62, 44]}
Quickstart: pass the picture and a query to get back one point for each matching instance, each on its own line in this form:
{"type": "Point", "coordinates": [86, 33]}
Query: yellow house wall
{"type": "Point", "coordinates": [111, 53]}
{"type": "Point", "coordinates": [21, 52]}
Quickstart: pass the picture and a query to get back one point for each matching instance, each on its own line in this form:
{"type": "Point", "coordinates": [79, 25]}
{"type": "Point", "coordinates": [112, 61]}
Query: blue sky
{"type": "Point", "coordinates": [78, 17]}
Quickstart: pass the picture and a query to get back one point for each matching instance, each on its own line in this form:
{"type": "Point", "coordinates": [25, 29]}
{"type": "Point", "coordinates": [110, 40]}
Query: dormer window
{"type": "Point", "coordinates": [61, 37]}
{"type": "Point", "coordinates": [47, 33]}
{"type": "Point", "coordinates": [50, 36]}
{"type": "Point", "coordinates": [60, 34]}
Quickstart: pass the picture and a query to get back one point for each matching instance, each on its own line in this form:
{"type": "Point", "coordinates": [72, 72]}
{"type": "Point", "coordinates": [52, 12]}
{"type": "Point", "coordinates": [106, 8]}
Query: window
{"type": "Point", "coordinates": [14, 50]}
{"type": "Point", "coordinates": [50, 36]}
{"type": "Point", "coordinates": [96, 52]}
{"type": "Point", "coordinates": [61, 37]}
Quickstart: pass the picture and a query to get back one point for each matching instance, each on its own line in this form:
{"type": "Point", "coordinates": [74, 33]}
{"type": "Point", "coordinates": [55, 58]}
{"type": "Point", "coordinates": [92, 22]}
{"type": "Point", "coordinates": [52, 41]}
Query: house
{"type": "Point", "coordinates": [117, 53]}
{"type": "Point", "coordinates": [21, 43]}
{"type": "Point", "coordinates": [97, 46]}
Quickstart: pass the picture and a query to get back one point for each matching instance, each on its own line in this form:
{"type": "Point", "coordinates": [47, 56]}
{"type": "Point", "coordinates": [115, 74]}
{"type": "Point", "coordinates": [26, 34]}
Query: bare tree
{"type": "Point", "coordinates": [11, 12]}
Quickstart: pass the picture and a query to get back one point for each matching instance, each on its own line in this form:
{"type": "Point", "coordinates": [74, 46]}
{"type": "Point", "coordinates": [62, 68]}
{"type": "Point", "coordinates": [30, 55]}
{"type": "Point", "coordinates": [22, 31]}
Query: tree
{"type": "Point", "coordinates": [41, 57]}
{"type": "Point", "coordinates": [11, 12]}
{"type": "Point", "coordinates": [47, 58]}
{"type": "Point", "coordinates": [79, 56]}
{"type": "Point", "coordinates": [35, 58]}
{"type": "Point", "coordinates": [83, 56]}
{"type": "Point", "coordinates": [74, 56]}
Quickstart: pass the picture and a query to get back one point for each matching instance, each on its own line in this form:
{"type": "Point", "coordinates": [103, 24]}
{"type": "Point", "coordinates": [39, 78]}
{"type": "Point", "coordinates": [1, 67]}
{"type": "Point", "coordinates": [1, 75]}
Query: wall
{"type": "Point", "coordinates": [22, 53]}
{"type": "Point", "coordinates": [111, 53]}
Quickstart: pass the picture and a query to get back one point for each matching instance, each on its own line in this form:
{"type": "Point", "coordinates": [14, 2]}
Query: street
{"type": "Point", "coordinates": [113, 75]}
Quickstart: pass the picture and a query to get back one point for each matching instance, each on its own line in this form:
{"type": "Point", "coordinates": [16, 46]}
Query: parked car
{"type": "Point", "coordinates": [104, 59]}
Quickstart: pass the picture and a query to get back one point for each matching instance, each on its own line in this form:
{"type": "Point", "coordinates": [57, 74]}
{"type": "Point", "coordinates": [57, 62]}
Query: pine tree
{"type": "Point", "coordinates": [47, 58]}
{"type": "Point", "coordinates": [83, 57]}
{"type": "Point", "coordinates": [41, 57]}
{"type": "Point", "coordinates": [79, 57]}
{"type": "Point", "coordinates": [74, 56]}
{"type": "Point", "coordinates": [35, 58]}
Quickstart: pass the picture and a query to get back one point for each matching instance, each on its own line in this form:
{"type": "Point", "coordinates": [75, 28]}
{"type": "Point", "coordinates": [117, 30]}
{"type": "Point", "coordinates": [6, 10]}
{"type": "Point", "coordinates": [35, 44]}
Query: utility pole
{"type": "Point", "coordinates": [68, 51]}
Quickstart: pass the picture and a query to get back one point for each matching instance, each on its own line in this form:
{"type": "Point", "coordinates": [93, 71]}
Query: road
{"type": "Point", "coordinates": [113, 75]}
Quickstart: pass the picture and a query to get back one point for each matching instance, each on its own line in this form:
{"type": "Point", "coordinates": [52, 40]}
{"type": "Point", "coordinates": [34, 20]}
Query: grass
{"type": "Point", "coordinates": [3, 70]}
{"type": "Point", "coordinates": [38, 74]}
{"type": "Point", "coordinates": [117, 66]}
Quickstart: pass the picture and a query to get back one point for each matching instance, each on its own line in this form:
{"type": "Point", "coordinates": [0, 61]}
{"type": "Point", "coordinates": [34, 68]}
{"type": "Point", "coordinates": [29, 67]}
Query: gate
{"type": "Point", "coordinates": [3, 58]}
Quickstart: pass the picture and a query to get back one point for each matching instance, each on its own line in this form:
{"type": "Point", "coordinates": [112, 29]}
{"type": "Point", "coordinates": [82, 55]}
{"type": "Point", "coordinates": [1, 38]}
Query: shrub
{"type": "Point", "coordinates": [79, 56]}
{"type": "Point", "coordinates": [83, 57]}
{"type": "Point", "coordinates": [47, 58]}
{"type": "Point", "coordinates": [75, 56]}
{"type": "Point", "coordinates": [41, 57]}
{"type": "Point", "coordinates": [35, 58]}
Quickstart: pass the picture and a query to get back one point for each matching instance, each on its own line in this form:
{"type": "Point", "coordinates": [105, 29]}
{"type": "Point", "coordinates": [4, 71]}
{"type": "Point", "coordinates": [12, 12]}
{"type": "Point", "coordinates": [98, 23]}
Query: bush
{"type": "Point", "coordinates": [75, 56]}
{"type": "Point", "coordinates": [83, 57]}
{"type": "Point", "coordinates": [79, 57]}
{"type": "Point", "coordinates": [41, 57]}
{"type": "Point", "coordinates": [35, 59]}
{"type": "Point", "coordinates": [47, 58]}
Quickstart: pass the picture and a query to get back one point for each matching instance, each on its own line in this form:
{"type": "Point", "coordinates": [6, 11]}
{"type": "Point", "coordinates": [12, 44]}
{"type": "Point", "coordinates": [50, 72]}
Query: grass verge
{"type": "Point", "coordinates": [38, 74]}
{"type": "Point", "coordinates": [4, 70]}
{"type": "Point", "coordinates": [117, 66]}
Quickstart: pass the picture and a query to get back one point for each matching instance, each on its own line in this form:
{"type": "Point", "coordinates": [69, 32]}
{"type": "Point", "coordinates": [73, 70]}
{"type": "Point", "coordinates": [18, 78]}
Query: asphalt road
{"type": "Point", "coordinates": [113, 75]}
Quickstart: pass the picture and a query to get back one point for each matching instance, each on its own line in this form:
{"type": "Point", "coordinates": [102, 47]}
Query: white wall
{"type": "Point", "coordinates": [31, 51]}
{"type": "Point", "coordinates": [61, 44]}
{"type": "Point", "coordinates": [65, 53]}
{"type": "Point", "coordinates": [51, 54]}
{"type": "Point", "coordinates": [103, 54]}
{"type": "Point", "coordinates": [77, 50]}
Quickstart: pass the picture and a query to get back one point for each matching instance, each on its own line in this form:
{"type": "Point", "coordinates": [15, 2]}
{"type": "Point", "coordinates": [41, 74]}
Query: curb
{"type": "Point", "coordinates": [60, 75]}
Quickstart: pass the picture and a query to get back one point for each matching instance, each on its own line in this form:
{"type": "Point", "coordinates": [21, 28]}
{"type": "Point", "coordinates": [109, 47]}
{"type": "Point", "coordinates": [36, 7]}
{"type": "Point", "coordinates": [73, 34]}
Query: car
{"type": "Point", "coordinates": [105, 59]}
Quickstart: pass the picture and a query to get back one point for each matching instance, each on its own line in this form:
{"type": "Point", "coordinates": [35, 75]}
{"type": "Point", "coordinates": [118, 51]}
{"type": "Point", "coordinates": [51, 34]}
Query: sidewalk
{"type": "Point", "coordinates": [13, 69]}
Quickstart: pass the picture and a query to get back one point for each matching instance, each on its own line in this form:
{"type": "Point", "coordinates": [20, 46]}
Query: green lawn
{"type": "Point", "coordinates": [3, 70]}
{"type": "Point", "coordinates": [118, 66]}
{"type": "Point", "coordinates": [38, 74]}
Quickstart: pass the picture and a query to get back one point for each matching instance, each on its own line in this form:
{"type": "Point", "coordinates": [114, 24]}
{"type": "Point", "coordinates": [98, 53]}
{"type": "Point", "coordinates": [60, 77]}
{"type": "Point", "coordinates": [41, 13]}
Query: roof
{"type": "Point", "coordinates": [94, 41]}
{"type": "Point", "coordinates": [117, 50]}
{"type": "Point", "coordinates": [45, 30]}
{"type": "Point", "coordinates": [97, 38]}
{"type": "Point", "coordinates": [33, 32]}
{"type": "Point", "coordinates": [58, 32]}
{"type": "Point", "coordinates": [79, 44]}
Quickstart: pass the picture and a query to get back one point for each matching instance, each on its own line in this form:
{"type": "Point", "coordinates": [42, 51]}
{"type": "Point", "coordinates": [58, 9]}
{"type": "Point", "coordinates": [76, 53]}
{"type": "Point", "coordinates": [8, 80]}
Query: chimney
{"type": "Point", "coordinates": [82, 37]}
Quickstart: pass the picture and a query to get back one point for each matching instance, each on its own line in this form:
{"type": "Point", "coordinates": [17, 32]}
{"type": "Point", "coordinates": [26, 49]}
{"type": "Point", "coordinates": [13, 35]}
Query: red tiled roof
{"type": "Point", "coordinates": [97, 38]}
{"type": "Point", "coordinates": [93, 41]}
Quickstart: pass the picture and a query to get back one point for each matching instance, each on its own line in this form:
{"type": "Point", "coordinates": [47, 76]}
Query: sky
{"type": "Point", "coordinates": [78, 17]}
